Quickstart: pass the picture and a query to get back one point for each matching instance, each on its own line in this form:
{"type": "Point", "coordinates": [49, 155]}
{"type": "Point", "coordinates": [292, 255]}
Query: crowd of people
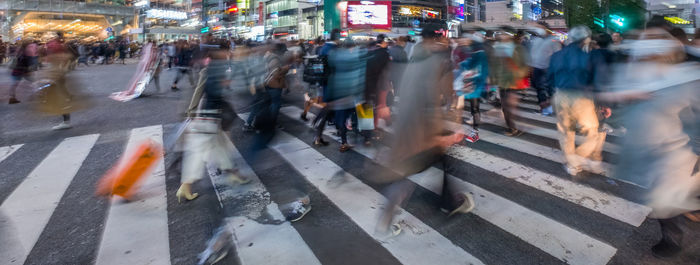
{"type": "Point", "coordinates": [415, 89]}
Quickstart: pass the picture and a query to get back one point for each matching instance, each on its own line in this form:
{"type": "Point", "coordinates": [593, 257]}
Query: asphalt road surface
{"type": "Point", "coordinates": [528, 210]}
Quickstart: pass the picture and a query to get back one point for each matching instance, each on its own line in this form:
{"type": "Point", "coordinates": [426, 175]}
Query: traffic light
{"type": "Point", "coordinates": [617, 21]}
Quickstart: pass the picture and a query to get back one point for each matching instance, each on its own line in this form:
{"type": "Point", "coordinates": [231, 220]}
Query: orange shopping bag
{"type": "Point", "coordinates": [123, 178]}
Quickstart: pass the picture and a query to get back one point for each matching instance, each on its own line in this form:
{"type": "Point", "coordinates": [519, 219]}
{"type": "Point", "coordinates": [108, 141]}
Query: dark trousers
{"type": "Point", "coordinates": [544, 90]}
{"type": "Point", "coordinates": [476, 113]}
{"type": "Point", "coordinates": [397, 192]}
{"type": "Point", "coordinates": [171, 59]}
{"type": "Point", "coordinates": [270, 99]}
{"type": "Point", "coordinates": [509, 102]}
{"type": "Point", "coordinates": [341, 116]}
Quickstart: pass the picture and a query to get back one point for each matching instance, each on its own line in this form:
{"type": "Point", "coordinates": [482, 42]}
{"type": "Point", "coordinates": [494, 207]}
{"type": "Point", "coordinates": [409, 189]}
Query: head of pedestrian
{"type": "Point", "coordinates": [381, 41]}
{"type": "Point", "coordinates": [580, 35]}
{"type": "Point", "coordinates": [505, 34]}
{"type": "Point", "coordinates": [542, 29]}
{"type": "Point", "coordinates": [279, 48]}
{"type": "Point", "coordinates": [603, 40]}
{"type": "Point", "coordinates": [335, 35]}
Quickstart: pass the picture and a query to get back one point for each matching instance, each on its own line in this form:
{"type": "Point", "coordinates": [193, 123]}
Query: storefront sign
{"type": "Point", "coordinates": [166, 14]}
{"type": "Point", "coordinates": [364, 14]}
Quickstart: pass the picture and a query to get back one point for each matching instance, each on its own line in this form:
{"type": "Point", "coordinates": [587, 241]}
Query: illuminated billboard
{"type": "Point", "coordinates": [369, 14]}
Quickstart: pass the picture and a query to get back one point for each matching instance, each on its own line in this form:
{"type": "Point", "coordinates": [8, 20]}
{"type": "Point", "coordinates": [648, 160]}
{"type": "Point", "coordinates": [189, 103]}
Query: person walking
{"type": "Point", "coordinates": [543, 45]}
{"type": "Point", "coordinates": [184, 59]}
{"type": "Point", "coordinates": [421, 131]}
{"type": "Point", "coordinates": [571, 73]}
{"type": "Point", "coordinates": [472, 75]}
{"type": "Point", "coordinates": [20, 69]}
{"type": "Point", "coordinates": [511, 72]}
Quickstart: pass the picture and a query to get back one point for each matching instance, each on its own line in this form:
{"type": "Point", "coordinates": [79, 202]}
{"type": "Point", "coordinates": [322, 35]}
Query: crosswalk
{"type": "Point", "coordinates": [527, 211]}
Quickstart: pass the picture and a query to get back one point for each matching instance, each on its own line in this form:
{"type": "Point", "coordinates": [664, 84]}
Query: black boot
{"type": "Point", "coordinates": [671, 239]}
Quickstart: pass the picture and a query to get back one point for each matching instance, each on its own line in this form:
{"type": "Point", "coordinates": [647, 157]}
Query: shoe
{"type": "Point", "coordinates": [466, 206]}
{"type": "Point", "coordinates": [548, 111]}
{"type": "Point", "coordinates": [297, 210]}
{"type": "Point", "coordinates": [185, 192]}
{"type": "Point", "coordinates": [667, 247]}
{"type": "Point", "coordinates": [217, 247]}
{"type": "Point", "coordinates": [62, 126]}
{"type": "Point", "coordinates": [345, 147]}
{"type": "Point", "coordinates": [320, 142]}
{"type": "Point", "coordinates": [248, 128]}
{"type": "Point", "coordinates": [13, 100]}
{"type": "Point", "coordinates": [593, 166]}
{"type": "Point", "coordinates": [303, 117]}
{"type": "Point", "coordinates": [473, 136]}
{"type": "Point", "coordinates": [513, 133]}
{"type": "Point", "coordinates": [573, 171]}
{"type": "Point", "coordinates": [174, 88]}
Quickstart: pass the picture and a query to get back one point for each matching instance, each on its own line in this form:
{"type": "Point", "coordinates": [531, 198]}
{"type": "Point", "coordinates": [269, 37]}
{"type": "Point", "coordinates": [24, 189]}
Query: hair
{"type": "Point", "coordinates": [679, 34]}
{"type": "Point", "coordinates": [603, 39]}
{"type": "Point", "coordinates": [579, 33]}
{"type": "Point", "coordinates": [430, 31]}
{"type": "Point", "coordinates": [335, 34]}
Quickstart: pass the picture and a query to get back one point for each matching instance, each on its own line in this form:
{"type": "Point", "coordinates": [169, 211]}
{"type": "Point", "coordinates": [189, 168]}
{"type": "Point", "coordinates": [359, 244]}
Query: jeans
{"type": "Point", "coordinates": [341, 116]}
{"type": "Point", "coordinates": [573, 108]}
{"type": "Point", "coordinates": [275, 102]}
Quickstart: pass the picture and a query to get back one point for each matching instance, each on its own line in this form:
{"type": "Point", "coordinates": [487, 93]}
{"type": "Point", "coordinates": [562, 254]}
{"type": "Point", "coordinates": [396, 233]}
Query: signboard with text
{"type": "Point", "coordinates": [369, 14]}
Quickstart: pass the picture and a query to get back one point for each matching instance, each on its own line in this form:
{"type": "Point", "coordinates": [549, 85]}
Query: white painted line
{"type": "Point", "coordinates": [526, 114]}
{"type": "Point", "coordinates": [552, 237]}
{"type": "Point", "coordinates": [258, 243]}
{"type": "Point", "coordinates": [541, 151]}
{"type": "Point", "coordinates": [363, 205]}
{"type": "Point", "coordinates": [6, 151]}
{"type": "Point", "coordinates": [136, 232]}
{"type": "Point", "coordinates": [604, 203]}
{"type": "Point", "coordinates": [495, 117]}
{"type": "Point", "coordinates": [25, 213]}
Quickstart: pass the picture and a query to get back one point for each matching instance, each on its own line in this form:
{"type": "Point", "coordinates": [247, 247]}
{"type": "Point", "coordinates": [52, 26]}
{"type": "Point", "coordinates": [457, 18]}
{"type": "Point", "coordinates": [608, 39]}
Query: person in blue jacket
{"type": "Point", "coordinates": [477, 62]}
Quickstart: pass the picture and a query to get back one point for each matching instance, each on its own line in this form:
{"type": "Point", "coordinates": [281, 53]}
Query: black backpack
{"type": "Point", "coordinates": [316, 70]}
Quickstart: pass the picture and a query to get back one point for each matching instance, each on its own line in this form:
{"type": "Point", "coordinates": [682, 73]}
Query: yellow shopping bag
{"type": "Point", "coordinates": [365, 117]}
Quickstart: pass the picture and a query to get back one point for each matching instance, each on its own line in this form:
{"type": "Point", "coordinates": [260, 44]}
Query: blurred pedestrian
{"type": "Point", "coordinates": [421, 130]}
{"type": "Point", "coordinates": [571, 73]}
{"type": "Point", "coordinates": [20, 69]}
{"type": "Point", "coordinates": [511, 75]}
{"type": "Point", "coordinates": [660, 91]}
{"type": "Point", "coordinates": [543, 45]}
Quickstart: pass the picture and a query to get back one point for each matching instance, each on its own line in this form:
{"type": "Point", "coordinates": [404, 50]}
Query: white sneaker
{"type": "Point", "coordinates": [573, 171]}
{"type": "Point", "coordinates": [594, 166]}
{"type": "Point", "coordinates": [62, 126]}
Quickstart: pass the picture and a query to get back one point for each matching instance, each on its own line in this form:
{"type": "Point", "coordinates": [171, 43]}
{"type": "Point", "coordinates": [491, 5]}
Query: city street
{"type": "Point", "coordinates": [528, 209]}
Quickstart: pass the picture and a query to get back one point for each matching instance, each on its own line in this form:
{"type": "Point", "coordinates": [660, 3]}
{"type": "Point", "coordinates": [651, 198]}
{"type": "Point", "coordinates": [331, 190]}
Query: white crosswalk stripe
{"type": "Point", "coordinates": [552, 237]}
{"type": "Point", "coordinates": [137, 232]}
{"type": "Point", "coordinates": [27, 210]}
{"type": "Point", "coordinates": [363, 205]}
{"type": "Point", "coordinates": [6, 151]}
{"type": "Point", "coordinates": [281, 243]}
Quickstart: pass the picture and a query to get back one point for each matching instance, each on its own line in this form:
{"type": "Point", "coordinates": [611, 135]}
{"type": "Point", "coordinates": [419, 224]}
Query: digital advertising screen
{"type": "Point", "coordinates": [369, 14]}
